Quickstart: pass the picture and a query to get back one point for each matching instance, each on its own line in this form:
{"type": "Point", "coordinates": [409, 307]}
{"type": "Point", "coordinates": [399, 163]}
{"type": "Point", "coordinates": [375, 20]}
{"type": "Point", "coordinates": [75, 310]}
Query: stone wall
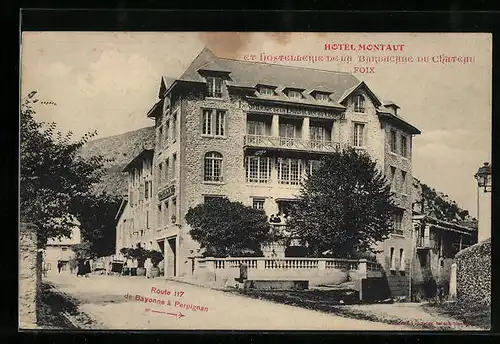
{"type": "Point", "coordinates": [474, 274]}
{"type": "Point", "coordinates": [29, 275]}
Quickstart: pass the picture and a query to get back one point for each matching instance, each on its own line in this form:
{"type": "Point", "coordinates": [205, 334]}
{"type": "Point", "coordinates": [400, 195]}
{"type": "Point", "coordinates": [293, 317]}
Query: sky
{"type": "Point", "coordinates": [108, 81]}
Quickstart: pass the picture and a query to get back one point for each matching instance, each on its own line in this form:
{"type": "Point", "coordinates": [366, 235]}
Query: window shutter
{"type": "Point", "coordinates": [353, 126]}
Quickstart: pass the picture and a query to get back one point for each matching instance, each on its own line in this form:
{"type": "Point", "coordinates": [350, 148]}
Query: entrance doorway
{"type": "Point", "coordinates": [161, 245]}
{"type": "Point", "coordinates": [170, 256]}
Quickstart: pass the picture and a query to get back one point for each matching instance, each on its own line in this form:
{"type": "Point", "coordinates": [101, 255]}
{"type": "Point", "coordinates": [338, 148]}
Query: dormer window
{"type": "Point", "coordinates": [359, 104]}
{"type": "Point", "coordinates": [322, 97]}
{"type": "Point", "coordinates": [266, 91]}
{"type": "Point", "coordinates": [294, 94]}
{"type": "Point", "coordinates": [214, 86]}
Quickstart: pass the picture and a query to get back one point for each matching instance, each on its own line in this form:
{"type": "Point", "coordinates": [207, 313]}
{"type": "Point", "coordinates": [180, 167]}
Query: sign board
{"type": "Point", "coordinates": [288, 110]}
{"type": "Point", "coordinates": [168, 191]}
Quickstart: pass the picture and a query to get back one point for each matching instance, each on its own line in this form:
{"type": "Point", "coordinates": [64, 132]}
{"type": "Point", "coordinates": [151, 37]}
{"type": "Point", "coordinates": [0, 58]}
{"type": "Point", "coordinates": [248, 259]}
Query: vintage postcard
{"type": "Point", "coordinates": [255, 181]}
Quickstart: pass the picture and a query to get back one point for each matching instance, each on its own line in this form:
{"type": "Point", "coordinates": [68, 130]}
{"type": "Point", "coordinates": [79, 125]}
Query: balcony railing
{"type": "Point", "coordinates": [290, 143]}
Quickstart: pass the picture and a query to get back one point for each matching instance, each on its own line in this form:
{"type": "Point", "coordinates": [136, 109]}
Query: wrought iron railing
{"type": "Point", "coordinates": [291, 143]}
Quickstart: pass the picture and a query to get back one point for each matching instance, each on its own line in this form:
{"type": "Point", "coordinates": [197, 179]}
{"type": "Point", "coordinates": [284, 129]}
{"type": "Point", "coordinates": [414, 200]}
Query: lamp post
{"type": "Point", "coordinates": [483, 177]}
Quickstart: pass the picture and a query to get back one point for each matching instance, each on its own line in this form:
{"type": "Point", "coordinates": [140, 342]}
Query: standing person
{"type": "Point", "coordinates": [81, 268]}
{"type": "Point", "coordinates": [59, 266]}
{"type": "Point", "coordinates": [124, 269]}
{"type": "Point", "coordinates": [87, 268]}
{"type": "Point", "coordinates": [148, 265]}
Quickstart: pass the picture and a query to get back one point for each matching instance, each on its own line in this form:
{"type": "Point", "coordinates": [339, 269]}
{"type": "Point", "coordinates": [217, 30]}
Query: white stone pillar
{"type": "Point", "coordinates": [305, 129]}
{"type": "Point", "coordinates": [484, 217]}
{"type": "Point", "coordinates": [427, 235]}
{"type": "Point", "coordinates": [322, 264]}
{"type": "Point", "coordinates": [453, 281]}
{"type": "Point", "coordinates": [275, 126]}
{"type": "Point", "coordinates": [260, 265]}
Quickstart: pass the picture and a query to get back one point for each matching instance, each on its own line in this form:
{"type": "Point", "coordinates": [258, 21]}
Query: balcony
{"type": "Point", "coordinates": [262, 141]}
{"type": "Point", "coordinates": [423, 243]}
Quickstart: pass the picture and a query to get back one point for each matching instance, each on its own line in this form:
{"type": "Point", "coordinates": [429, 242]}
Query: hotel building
{"type": "Point", "coordinates": [249, 131]}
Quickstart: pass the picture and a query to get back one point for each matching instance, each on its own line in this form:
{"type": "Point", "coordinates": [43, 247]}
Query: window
{"type": "Point", "coordinates": [358, 135]}
{"type": "Point", "coordinates": [392, 178]}
{"type": "Point", "coordinates": [289, 171]}
{"type": "Point", "coordinates": [147, 218]}
{"type": "Point", "coordinates": [151, 189]}
{"type": "Point", "coordinates": [318, 133]}
{"type": "Point", "coordinates": [146, 190]}
{"type": "Point", "coordinates": [174, 166]}
{"type": "Point", "coordinates": [166, 212]}
{"type": "Point", "coordinates": [174, 210]}
{"type": "Point", "coordinates": [404, 188]}
{"type": "Point", "coordinates": [160, 173]}
{"type": "Point", "coordinates": [393, 141]}
{"type": "Point", "coordinates": [64, 249]}
{"type": "Point", "coordinates": [167, 130]}
{"type": "Point", "coordinates": [214, 122]}
{"type": "Point", "coordinates": [393, 259]}
{"type": "Point", "coordinates": [284, 207]}
{"type": "Point", "coordinates": [359, 104]}
{"type": "Point", "coordinates": [266, 91]}
{"type": "Point", "coordinates": [258, 169]}
{"type": "Point", "coordinates": [207, 199]}
{"type": "Point", "coordinates": [404, 146]}
{"type": "Point", "coordinates": [401, 260]}
{"type": "Point", "coordinates": [207, 122]}
{"type": "Point", "coordinates": [256, 128]}
{"type": "Point", "coordinates": [397, 223]}
{"type": "Point", "coordinates": [213, 167]}
{"type": "Point", "coordinates": [140, 189]}
{"type": "Point", "coordinates": [174, 126]}
{"type": "Point", "coordinates": [214, 85]}
{"type": "Point", "coordinates": [294, 94]}
{"type": "Point", "coordinates": [220, 122]}
{"type": "Point", "coordinates": [167, 170]}
{"type": "Point", "coordinates": [258, 203]}
{"type": "Point", "coordinates": [160, 133]}
{"type": "Point", "coordinates": [322, 97]}
{"type": "Point", "coordinates": [287, 132]}
{"type": "Point", "coordinates": [313, 165]}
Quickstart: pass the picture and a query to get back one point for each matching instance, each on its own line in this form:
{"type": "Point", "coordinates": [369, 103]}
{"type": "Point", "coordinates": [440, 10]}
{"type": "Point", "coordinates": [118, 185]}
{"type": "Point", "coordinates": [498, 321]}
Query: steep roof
{"type": "Point", "coordinates": [144, 154]}
{"type": "Point", "coordinates": [250, 74]}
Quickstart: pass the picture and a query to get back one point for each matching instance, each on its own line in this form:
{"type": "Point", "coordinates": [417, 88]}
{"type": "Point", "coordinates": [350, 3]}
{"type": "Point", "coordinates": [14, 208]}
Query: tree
{"type": "Point", "coordinates": [54, 178]}
{"type": "Point", "coordinates": [345, 206]}
{"type": "Point", "coordinates": [138, 254]}
{"type": "Point", "coordinates": [156, 257]}
{"type": "Point", "coordinates": [97, 222]}
{"type": "Point", "coordinates": [83, 250]}
{"type": "Point", "coordinates": [224, 228]}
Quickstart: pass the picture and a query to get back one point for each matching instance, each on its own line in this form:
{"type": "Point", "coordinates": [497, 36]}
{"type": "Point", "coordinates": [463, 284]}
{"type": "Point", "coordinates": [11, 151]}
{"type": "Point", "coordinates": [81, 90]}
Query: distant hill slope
{"type": "Point", "coordinates": [121, 149]}
{"type": "Point", "coordinates": [124, 147]}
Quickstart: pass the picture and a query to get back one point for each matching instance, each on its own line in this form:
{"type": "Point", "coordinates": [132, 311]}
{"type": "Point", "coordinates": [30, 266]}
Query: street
{"type": "Point", "coordinates": [103, 299]}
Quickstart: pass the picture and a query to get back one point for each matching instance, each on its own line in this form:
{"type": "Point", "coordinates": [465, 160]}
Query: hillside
{"type": "Point", "coordinates": [121, 149]}
{"type": "Point", "coordinates": [429, 201]}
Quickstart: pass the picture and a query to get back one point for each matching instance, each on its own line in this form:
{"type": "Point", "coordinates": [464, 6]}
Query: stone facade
{"type": "Point", "coordinates": [29, 276]}
{"type": "Point", "coordinates": [181, 145]}
{"type": "Point", "coordinates": [60, 250]}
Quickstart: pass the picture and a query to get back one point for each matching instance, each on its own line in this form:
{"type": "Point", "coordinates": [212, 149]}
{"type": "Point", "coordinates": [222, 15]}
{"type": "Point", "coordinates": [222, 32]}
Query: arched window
{"type": "Point", "coordinates": [359, 103]}
{"type": "Point", "coordinates": [213, 167]}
